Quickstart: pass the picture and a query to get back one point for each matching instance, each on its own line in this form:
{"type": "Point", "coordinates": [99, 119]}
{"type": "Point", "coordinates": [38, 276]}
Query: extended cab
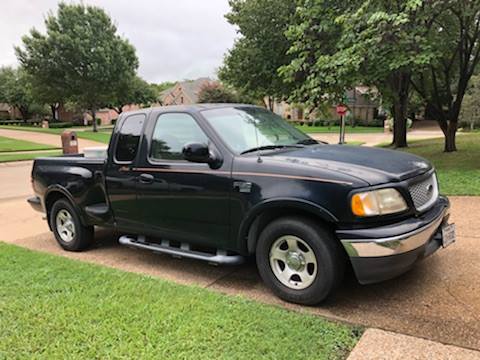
{"type": "Point", "coordinates": [221, 182]}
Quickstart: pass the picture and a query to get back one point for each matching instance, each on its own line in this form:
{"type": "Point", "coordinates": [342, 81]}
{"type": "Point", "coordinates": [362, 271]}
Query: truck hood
{"type": "Point", "coordinates": [372, 165]}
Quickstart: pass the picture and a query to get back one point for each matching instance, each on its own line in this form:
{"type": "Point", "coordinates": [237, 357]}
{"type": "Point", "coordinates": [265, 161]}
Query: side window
{"type": "Point", "coordinates": [129, 137]}
{"type": "Point", "coordinates": [172, 132]}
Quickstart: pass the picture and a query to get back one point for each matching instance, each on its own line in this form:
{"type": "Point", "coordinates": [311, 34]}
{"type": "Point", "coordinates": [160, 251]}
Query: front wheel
{"type": "Point", "coordinates": [67, 227]}
{"type": "Point", "coordinates": [299, 260]}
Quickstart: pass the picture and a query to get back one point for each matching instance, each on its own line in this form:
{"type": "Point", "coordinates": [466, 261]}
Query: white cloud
{"type": "Point", "coordinates": [175, 40]}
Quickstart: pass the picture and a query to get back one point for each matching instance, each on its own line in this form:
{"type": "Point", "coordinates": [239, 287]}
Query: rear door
{"type": "Point", "coordinates": [183, 201]}
{"type": "Point", "coordinates": [121, 180]}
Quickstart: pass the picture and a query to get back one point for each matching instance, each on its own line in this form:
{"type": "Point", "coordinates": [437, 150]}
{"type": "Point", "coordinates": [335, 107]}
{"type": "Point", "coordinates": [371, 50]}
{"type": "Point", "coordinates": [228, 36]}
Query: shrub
{"type": "Point", "coordinates": [60, 125]}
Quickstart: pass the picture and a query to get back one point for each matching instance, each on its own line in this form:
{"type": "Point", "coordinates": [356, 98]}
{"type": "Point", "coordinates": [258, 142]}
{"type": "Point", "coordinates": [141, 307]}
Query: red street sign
{"type": "Point", "coordinates": [341, 109]}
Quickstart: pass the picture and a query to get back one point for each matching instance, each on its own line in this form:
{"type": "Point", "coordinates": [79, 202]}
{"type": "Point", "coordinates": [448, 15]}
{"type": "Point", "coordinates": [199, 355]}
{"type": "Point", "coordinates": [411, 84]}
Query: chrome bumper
{"type": "Point", "coordinates": [394, 245]}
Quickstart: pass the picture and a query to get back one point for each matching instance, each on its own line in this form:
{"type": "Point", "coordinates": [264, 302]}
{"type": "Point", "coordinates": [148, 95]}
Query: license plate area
{"type": "Point", "coordinates": [448, 235]}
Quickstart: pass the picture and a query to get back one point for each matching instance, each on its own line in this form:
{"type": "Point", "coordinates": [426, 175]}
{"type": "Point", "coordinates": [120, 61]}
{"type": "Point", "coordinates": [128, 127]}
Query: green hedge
{"type": "Point", "coordinates": [60, 125]}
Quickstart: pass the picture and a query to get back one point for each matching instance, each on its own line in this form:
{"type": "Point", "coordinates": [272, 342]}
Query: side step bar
{"type": "Point", "coordinates": [220, 258]}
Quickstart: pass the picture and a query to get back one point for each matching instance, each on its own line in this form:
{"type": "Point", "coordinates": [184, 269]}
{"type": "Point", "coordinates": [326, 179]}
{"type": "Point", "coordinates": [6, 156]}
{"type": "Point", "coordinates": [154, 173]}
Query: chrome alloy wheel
{"type": "Point", "coordinates": [65, 225]}
{"type": "Point", "coordinates": [293, 262]}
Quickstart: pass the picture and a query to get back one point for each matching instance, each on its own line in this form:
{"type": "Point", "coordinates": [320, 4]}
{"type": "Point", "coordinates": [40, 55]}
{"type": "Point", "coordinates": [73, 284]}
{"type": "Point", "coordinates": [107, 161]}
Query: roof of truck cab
{"type": "Point", "coordinates": [188, 108]}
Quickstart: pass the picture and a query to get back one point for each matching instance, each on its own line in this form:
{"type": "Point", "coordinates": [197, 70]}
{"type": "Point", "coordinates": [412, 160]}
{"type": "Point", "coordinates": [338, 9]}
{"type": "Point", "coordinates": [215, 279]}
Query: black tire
{"type": "Point", "coordinates": [82, 236]}
{"type": "Point", "coordinates": [330, 259]}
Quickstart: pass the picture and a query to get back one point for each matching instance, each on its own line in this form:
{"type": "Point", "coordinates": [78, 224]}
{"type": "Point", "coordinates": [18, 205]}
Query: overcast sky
{"type": "Point", "coordinates": [175, 40]}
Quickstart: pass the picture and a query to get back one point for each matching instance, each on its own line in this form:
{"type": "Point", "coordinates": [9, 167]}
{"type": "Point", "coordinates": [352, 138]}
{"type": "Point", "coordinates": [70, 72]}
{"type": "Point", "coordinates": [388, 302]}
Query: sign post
{"type": "Point", "coordinates": [342, 110]}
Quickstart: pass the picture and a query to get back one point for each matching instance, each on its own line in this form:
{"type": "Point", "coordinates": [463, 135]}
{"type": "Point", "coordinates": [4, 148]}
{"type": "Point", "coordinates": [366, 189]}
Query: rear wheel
{"type": "Point", "coordinates": [67, 227]}
{"type": "Point", "coordinates": [299, 260]}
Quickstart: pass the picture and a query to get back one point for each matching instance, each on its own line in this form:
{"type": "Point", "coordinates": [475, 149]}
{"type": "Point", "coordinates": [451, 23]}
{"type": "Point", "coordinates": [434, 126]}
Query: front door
{"type": "Point", "coordinates": [120, 179]}
{"type": "Point", "coordinates": [180, 200]}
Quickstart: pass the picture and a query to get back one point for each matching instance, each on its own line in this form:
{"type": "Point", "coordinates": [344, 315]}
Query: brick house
{"type": "Point", "coordinates": [184, 92]}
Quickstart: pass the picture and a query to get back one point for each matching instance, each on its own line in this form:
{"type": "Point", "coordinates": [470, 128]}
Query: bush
{"type": "Point", "coordinates": [389, 122]}
{"type": "Point", "coordinates": [60, 125]}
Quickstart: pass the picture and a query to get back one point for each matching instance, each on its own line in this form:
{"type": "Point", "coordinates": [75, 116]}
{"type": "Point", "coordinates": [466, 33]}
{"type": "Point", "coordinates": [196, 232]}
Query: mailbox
{"type": "Point", "coordinates": [69, 142]}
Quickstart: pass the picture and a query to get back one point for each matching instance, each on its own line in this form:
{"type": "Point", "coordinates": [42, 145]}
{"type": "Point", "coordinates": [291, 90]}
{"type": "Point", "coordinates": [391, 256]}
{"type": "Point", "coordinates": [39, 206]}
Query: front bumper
{"type": "Point", "coordinates": [384, 252]}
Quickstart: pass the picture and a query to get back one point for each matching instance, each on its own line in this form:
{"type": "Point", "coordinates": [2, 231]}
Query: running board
{"type": "Point", "coordinates": [220, 258]}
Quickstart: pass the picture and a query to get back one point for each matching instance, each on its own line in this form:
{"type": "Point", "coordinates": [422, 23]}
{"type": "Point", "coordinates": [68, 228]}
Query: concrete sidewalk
{"type": "Point", "coordinates": [377, 344]}
{"type": "Point", "coordinates": [373, 139]}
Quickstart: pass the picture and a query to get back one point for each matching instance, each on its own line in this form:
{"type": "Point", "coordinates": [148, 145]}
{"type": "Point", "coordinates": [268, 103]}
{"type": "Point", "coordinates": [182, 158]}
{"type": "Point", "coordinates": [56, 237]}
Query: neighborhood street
{"type": "Point", "coordinates": [438, 300]}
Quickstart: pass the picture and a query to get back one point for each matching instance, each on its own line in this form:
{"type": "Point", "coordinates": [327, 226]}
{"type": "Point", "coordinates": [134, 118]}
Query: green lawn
{"type": "Point", "coordinates": [8, 145]}
{"type": "Point", "coordinates": [336, 129]}
{"type": "Point", "coordinates": [101, 136]}
{"type": "Point", "coordinates": [52, 307]}
{"type": "Point", "coordinates": [458, 172]}
{"type": "Point", "coordinates": [8, 157]}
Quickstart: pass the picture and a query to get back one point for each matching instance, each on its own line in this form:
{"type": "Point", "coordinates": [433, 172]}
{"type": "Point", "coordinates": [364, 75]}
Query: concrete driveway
{"type": "Point", "coordinates": [438, 300]}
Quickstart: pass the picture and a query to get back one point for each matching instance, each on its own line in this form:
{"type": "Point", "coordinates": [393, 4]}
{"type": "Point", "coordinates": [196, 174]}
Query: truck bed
{"type": "Point", "coordinates": [73, 176]}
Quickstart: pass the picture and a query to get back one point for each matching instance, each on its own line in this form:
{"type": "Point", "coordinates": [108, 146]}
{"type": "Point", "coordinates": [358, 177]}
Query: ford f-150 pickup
{"type": "Point", "coordinates": [223, 182]}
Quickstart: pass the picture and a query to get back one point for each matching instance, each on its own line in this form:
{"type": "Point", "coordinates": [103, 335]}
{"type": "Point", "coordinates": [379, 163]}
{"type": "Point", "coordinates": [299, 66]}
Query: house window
{"type": "Point", "coordinates": [181, 99]}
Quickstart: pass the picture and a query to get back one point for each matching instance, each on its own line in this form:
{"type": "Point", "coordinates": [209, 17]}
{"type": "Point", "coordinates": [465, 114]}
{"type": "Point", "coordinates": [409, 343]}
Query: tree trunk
{"type": "Point", "coordinates": [399, 84]}
{"type": "Point", "coordinates": [94, 119]}
{"type": "Point", "coordinates": [53, 109]}
{"type": "Point", "coordinates": [450, 137]}
{"type": "Point", "coordinates": [400, 123]}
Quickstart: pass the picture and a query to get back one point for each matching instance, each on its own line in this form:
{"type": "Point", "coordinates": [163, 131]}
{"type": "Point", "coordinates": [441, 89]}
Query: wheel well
{"type": "Point", "coordinates": [267, 216]}
{"type": "Point", "coordinates": [51, 199]}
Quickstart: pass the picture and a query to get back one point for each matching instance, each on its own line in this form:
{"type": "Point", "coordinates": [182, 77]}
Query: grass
{"type": "Point", "coordinates": [8, 145]}
{"type": "Point", "coordinates": [53, 307]}
{"type": "Point", "coordinates": [458, 172]}
{"type": "Point", "coordinates": [8, 157]}
{"type": "Point", "coordinates": [101, 136]}
{"type": "Point", "coordinates": [336, 129]}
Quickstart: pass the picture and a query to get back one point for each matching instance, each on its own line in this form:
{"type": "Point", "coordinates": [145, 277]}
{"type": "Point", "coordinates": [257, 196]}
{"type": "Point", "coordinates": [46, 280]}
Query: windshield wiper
{"type": "Point", "coordinates": [270, 147]}
{"type": "Point", "coordinates": [307, 142]}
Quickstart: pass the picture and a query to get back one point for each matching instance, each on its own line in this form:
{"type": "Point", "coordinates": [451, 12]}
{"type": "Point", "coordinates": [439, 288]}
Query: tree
{"type": "Point", "coordinates": [81, 55]}
{"type": "Point", "coordinates": [216, 93]}
{"type": "Point", "coordinates": [455, 37]}
{"type": "Point", "coordinates": [380, 43]}
{"type": "Point", "coordinates": [251, 66]}
{"type": "Point", "coordinates": [16, 90]}
{"type": "Point", "coordinates": [133, 91]}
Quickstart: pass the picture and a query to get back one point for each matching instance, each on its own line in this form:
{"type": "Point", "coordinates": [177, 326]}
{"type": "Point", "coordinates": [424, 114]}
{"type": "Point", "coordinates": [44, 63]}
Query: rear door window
{"type": "Point", "coordinates": [129, 138]}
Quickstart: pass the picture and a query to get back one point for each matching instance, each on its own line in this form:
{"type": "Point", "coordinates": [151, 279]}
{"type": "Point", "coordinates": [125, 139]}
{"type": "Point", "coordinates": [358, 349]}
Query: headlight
{"type": "Point", "coordinates": [378, 202]}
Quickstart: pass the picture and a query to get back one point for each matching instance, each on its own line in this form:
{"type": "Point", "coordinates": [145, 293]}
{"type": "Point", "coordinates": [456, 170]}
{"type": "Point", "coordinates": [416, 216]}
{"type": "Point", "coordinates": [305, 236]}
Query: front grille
{"type": "Point", "coordinates": [424, 193]}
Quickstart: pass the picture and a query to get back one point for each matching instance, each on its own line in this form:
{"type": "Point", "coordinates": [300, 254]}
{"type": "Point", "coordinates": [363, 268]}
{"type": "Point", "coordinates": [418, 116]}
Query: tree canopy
{"type": "Point", "coordinates": [216, 93]}
{"type": "Point", "coordinates": [455, 39]}
{"type": "Point", "coordinates": [133, 90]}
{"type": "Point", "coordinates": [16, 90]}
{"type": "Point", "coordinates": [251, 65]}
{"type": "Point", "coordinates": [81, 55]}
{"type": "Point", "coordinates": [380, 43]}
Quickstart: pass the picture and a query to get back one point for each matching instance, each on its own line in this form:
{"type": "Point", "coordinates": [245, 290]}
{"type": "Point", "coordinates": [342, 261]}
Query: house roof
{"type": "Point", "coordinates": [190, 88]}
{"type": "Point", "coordinates": [4, 107]}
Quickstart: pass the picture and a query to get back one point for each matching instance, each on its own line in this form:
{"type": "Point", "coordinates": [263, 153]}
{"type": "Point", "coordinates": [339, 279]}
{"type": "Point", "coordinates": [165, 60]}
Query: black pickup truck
{"type": "Point", "coordinates": [223, 182]}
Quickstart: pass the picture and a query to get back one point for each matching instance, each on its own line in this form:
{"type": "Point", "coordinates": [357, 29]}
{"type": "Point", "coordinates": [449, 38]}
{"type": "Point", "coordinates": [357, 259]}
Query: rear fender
{"type": "Point", "coordinates": [55, 190]}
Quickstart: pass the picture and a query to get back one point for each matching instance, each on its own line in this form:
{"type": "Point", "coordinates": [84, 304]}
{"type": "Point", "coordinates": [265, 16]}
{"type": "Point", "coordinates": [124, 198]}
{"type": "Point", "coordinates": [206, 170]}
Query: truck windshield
{"type": "Point", "coordinates": [246, 129]}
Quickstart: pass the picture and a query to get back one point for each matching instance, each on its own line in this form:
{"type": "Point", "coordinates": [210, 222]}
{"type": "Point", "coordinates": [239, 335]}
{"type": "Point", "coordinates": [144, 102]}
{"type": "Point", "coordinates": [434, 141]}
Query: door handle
{"type": "Point", "coordinates": [146, 178]}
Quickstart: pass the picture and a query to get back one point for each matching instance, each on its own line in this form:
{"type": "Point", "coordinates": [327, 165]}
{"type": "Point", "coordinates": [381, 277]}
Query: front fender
{"type": "Point", "coordinates": [285, 204]}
